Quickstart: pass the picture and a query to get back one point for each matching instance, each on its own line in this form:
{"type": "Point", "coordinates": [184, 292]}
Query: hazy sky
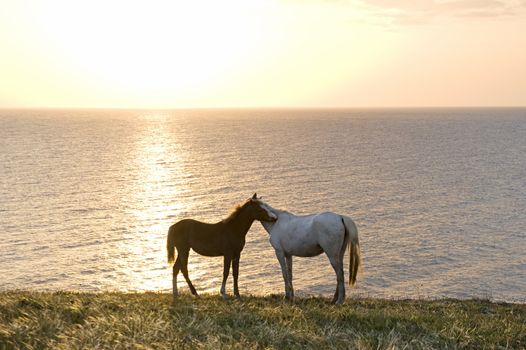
{"type": "Point", "coordinates": [340, 53]}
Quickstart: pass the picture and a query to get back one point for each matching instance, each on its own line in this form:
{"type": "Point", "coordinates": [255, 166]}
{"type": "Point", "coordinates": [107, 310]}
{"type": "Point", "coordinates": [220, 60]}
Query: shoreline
{"type": "Point", "coordinates": [300, 295]}
{"type": "Point", "coordinates": [151, 320]}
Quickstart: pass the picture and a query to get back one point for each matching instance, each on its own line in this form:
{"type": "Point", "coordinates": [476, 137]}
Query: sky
{"type": "Point", "coordinates": [262, 53]}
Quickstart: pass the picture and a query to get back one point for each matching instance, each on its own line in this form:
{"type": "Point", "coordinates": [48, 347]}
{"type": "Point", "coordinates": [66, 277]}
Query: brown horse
{"type": "Point", "coordinates": [225, 238]}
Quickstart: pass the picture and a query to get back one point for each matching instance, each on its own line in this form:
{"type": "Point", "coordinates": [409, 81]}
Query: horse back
{"type": "Point", "coordinates": [307, 235]}
{"type": "Point", "coordinates": [204, 238]}
{"type": "Point", "coordinates": [326, 221]}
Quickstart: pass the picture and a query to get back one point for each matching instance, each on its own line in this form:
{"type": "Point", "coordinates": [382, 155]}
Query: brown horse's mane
{"type": "Point", "coordinates": [234, 212]}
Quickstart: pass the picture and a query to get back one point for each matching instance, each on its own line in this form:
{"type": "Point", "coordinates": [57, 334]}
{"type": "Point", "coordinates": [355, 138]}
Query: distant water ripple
{"type": "Point", "coordinates": [86, 197]}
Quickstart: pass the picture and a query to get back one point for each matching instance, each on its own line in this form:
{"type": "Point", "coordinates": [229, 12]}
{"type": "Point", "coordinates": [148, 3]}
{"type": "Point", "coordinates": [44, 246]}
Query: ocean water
{"type": "Point", "coordinates": [439, 196]}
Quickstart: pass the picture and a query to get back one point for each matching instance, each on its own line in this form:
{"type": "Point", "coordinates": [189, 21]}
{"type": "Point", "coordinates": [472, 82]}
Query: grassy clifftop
{"type": "Point", "coordinates": [141, 321]}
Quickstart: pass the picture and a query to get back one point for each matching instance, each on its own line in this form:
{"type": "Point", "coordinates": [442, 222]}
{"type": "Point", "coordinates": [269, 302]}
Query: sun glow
{"type": "Point", "coordinates": [260, 53]}
{"type": "Point", "coordinates": [152, 51]}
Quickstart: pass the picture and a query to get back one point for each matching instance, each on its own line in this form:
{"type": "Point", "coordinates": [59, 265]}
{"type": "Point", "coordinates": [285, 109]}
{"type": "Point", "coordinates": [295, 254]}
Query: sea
{"type": "Point", "coordinates": [438, 196]}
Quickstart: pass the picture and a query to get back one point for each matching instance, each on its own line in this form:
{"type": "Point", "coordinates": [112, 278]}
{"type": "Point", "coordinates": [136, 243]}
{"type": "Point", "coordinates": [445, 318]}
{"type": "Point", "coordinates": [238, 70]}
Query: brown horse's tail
{"type": "Point", "coordinates": [355, 260]}
{"type": "Point", "coordinates": [170, 244]}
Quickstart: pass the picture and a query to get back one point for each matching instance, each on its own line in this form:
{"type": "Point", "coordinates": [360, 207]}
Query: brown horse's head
{"type": "Point", "coordinates": [259, 211]}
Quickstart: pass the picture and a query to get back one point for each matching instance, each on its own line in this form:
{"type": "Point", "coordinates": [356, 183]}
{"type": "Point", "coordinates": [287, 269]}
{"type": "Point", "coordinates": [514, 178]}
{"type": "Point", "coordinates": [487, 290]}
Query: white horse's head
{"type": "Point", "coordinates": [270, 216]}
{"type": "Point", "coordinates": [273, 213]}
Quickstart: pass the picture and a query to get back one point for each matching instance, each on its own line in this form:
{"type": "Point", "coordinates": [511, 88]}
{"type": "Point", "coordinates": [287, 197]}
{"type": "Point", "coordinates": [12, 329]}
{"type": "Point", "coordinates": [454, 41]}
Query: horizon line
{"type": "Point", "coordinates": [273, 108]}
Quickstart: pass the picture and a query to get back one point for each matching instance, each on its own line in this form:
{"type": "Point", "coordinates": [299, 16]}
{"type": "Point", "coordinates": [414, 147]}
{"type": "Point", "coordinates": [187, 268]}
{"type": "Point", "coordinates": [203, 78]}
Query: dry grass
{"type": "Point", "coordinates": [67, 320]}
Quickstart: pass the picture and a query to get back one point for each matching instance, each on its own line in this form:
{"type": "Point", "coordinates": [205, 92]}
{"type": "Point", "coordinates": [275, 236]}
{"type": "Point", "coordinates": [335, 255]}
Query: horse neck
{"type": "Point", "coordinates": [242, 222]}
{"type": "Point", "coordinates": [267, 225]}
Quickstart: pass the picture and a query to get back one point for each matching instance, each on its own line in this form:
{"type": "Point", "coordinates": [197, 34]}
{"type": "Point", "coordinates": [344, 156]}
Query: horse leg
{"type": "Point", "coordinates": [226, 269]}
{"type": "Point", "coordinates": [184, 269]}
{"type": "Point", "coordinates": [176, 268]}
{"type": "Point", "coordinates": [337, 265]}
{"type": "Point", "coordinates": [341, 255]}
{"type": "Point", "coordinates": [284, 270]}
{"type": "Point", "coordinates": [288, 260]}
{"type": "Point", "coordinates": [235, 271]}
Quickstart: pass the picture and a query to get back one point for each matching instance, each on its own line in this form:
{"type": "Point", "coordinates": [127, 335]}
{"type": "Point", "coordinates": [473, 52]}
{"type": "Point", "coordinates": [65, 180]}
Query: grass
{"type": "Point", "coordinates": [66, 320]}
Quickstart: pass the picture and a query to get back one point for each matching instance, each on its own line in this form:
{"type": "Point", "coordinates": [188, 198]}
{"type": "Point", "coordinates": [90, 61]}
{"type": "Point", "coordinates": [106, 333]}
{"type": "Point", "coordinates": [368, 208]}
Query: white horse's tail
{"type": "Point", "coordinates": [355, 260]}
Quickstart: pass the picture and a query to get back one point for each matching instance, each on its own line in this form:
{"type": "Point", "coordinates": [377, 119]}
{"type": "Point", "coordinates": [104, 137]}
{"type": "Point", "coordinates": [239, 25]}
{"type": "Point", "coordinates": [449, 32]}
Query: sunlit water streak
{"type": "Point", "coordinates": [86, 197]}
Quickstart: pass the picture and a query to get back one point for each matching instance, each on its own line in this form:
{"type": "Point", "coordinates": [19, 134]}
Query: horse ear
{"type": "Point", "coordinates": [255, 196]}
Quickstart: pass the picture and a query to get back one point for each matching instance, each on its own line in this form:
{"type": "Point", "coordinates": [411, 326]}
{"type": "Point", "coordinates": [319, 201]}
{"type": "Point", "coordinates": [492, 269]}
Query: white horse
{"type": "Point", "coordinates": [311, 235]}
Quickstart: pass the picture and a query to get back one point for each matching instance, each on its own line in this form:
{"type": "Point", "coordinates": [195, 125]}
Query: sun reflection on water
{"type": "Point", "coordinates": [155, 199]}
